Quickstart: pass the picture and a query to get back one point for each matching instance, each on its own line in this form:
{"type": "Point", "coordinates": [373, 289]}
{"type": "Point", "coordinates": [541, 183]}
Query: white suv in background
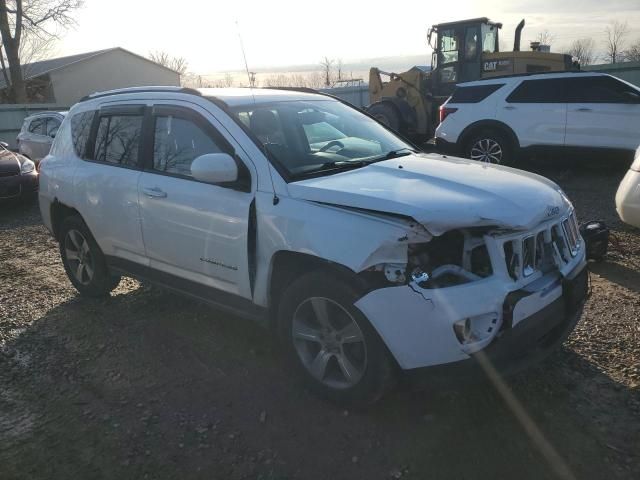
{"type": "Point", "coordinates": [292, 208]}
{"type": "Point", "coordinates": [497, 119]}
{"type": "Point", "coordinates": [37, 134]}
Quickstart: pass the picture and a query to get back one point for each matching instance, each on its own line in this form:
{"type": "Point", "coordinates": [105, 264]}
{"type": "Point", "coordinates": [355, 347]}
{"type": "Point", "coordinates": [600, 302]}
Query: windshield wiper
{"type": "Point", "coordinates": [401, 152]}
{"type": "Point", "coordinates": [341, 165]}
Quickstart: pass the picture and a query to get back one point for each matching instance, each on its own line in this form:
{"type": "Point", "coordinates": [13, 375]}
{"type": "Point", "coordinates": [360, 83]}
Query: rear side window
{"type": "Point", "coordinates": [600, 90]}
{"type": "Point", "coordinates": [550, 90]}
{"type": "Point", "coordinates": [80, 130]}
{"type": "Point", "coordinates": [177, 143]}
{"type": "Point", "coordinates": [37, 126]}
{"type": "Point", "coordinates": [474, 94]}
{"type": "Point", "coordinates": [53, 124]}
{"type": "Point", "coordinates": [118, 139]}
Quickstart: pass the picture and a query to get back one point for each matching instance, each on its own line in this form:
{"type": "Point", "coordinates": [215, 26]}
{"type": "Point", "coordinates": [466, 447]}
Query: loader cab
{"type": "Point", "coordinates": [457, 52]}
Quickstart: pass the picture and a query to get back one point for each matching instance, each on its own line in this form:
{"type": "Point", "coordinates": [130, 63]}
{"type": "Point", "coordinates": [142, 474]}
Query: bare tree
{"type": "Point", "coordinates": [178, 64]}
{"type": "Point", "coordinates": [616, 36]}
{"type": "Point", "coordinates": [583, 50]}
{"type": "Point", "coordinates": [327, 69]}
{"type": "Point", "coordinates": [632, 54]}
{"type": "Point", "coordinates": [545, 37]}
{"type": "Point", "coordinates": [339, 69]}
{"type": "Point", "coordinates": [20, 18]}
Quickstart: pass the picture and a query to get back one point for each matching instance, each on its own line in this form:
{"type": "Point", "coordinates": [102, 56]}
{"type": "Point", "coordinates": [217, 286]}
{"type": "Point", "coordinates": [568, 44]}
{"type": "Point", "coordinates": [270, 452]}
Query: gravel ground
{"type": "Point", "coordinates": [147, 384]}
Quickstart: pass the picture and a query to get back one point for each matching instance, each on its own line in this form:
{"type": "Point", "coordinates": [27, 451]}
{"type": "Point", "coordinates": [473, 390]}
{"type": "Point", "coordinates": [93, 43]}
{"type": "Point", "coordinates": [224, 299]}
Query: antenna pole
{"type": "Point", "coordinates": [244, 55]}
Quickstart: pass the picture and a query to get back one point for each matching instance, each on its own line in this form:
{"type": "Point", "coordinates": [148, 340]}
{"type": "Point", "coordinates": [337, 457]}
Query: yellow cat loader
{"type": "Point", "coordinates": [463, 51]}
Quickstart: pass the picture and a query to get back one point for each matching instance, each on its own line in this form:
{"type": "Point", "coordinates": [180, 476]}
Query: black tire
{"type": "Point", "coordinates": [386, 114]}
{"type": "Point", "coordinates": [377, 375]}
{"type": "Point", "coordinates": [478, 142]}
{"type": "Point", "coordinates": [101, 282]}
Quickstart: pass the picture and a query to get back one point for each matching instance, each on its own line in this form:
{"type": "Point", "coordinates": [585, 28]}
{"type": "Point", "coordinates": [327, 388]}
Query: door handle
{"type": "Point", "coordinates": [584, 109]}
{"type": "Point", "coordinates": [154, 192]}
{"type": "Point", "coordinates": [509, 107]}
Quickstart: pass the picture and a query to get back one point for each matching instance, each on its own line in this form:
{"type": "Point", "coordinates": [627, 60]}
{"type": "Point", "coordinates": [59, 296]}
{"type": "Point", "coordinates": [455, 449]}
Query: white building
{"type": "Point", "coordinates": [64, 81]}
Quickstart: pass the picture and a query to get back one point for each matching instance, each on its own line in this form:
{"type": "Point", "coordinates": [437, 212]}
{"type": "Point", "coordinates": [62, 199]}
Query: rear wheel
{"type": "Point", "coordinates": [385, 114]}
{"type": "Point", "coordinates": [330, 342]}
{"type": "Point", "coordinates": [83, 260]}
{"type": "Point", "coordinates": [490, 146]}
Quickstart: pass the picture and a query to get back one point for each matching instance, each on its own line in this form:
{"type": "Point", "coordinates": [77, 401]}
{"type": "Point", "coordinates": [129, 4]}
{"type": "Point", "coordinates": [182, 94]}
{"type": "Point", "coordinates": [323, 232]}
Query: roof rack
{"type": "Point", "coordinates": [165, 89]}
{"type": "Point", "coordinates": [295, 89]}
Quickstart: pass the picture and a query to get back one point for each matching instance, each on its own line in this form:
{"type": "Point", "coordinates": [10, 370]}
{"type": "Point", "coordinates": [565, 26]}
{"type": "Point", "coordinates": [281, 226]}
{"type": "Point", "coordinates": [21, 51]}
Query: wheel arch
{"type": "Point", "coordinates": [287, 265]}
{"type": "Point", "coordinates": [60, 211]}
{"type": "Point", "coordinates": [478, 126]}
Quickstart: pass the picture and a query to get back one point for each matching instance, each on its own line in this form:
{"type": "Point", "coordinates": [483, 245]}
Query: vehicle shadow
{"type": "Point", "coordinates": [149, 382]}
{"type": "Point", "coordinates": [618, 274]}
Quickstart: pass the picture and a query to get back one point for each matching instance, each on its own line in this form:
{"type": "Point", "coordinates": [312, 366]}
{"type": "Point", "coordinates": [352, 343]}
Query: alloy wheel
{"type": "Point", "coordinates": [79, 258]}
{"type": "Point", "coordinates": [486, 150]}
{"type": "Point", "coordinates": [329, 342]}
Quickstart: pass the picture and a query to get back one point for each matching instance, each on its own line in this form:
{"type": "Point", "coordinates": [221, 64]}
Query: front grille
{"type": "Point", "coordinates": [570, 228]}
{"type": "Point", "coordinates": [551, 246]}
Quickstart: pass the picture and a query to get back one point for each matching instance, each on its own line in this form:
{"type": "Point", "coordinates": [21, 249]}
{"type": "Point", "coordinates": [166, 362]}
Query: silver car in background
{"type": "Point", "coordinates": [37, 134]}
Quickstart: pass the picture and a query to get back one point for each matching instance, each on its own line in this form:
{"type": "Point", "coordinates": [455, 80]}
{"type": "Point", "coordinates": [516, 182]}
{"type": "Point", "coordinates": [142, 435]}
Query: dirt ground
{"type": "Point", "coordinates": [147, 384]}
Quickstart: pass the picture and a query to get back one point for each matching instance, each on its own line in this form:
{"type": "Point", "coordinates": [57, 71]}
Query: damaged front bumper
{"type": "Point", "coordinates": [511, 323]}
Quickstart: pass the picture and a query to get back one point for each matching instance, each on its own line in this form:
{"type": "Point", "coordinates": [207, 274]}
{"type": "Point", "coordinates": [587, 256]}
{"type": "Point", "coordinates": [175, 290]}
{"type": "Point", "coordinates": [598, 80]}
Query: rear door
{"type": "Point", "coordinates": [107, 179]}
{"type": "Point", "coordinates": [603, 112]}
{"type": "Point", "coordinates": [536, 110]}
{"type": "Point", "coordinates": [193, 230]}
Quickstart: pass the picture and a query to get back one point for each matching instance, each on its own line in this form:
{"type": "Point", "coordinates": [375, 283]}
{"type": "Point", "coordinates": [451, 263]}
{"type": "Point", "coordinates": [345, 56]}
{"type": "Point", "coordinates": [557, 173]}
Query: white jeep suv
{"type": "Point", "coordinates": [499, 119]}
{"type": "Point", "coordinates": [292, 208]}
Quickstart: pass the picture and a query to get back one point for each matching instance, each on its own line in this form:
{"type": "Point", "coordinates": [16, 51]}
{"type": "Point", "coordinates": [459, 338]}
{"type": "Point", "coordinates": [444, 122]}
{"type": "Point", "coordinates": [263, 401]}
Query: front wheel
{"type": "Point", "coordinates": [490, 147]}
{"type": "Point", "coordinates": [330, 342]}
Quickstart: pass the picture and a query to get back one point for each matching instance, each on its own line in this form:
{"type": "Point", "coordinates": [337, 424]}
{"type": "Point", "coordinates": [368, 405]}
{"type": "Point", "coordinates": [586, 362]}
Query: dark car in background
{"type": "Point", "coordinates": [18, 175]}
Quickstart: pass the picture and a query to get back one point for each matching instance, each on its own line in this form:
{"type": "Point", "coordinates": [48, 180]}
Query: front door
{"type": "Point", "coordinates": [192, 230]}
{"type": "Point", "coordinates": [603, 112]}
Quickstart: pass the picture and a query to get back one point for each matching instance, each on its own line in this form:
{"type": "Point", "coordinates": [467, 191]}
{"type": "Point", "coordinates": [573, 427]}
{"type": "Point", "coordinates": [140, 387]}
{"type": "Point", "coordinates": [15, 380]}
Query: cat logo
{"type": "Point", "coordinates": [496, 65]}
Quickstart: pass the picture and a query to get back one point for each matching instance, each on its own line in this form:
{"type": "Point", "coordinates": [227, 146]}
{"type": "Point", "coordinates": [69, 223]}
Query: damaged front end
{"type": "Point", "coordinates": [459, 292]}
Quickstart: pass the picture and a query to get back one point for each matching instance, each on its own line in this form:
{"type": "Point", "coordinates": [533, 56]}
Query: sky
{"type": "Point", "coordinates": [280, 33]}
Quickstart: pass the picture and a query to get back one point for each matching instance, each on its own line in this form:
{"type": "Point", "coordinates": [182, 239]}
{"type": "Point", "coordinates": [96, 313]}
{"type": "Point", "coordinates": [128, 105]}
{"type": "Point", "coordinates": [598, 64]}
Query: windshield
{"type": "Point", "coordinates": [319, 136]}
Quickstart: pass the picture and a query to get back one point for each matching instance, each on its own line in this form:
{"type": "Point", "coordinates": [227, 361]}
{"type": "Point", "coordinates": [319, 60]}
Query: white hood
{"type": "Point", "coordinates": [441, 193]}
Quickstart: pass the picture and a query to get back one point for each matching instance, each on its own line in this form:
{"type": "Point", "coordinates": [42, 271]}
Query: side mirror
{"type": "Point", "coordinates": [215, 168]}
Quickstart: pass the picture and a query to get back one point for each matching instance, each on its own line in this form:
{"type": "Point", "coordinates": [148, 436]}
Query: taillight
{"type": "Point", "coordinates": [445, 112]}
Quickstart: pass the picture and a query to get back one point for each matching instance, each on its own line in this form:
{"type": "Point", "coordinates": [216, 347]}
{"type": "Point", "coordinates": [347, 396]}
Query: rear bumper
{"type": "Point", "coordinates": [18, 186]}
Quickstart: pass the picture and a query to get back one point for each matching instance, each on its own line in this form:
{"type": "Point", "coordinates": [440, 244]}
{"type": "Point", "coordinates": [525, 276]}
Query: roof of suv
{"type": "Point", "coordinates": [47, 113]}
{"type": "Point", "coordinates": [516, 77]}
{"type": "Point", "coordinates": [231, 96]}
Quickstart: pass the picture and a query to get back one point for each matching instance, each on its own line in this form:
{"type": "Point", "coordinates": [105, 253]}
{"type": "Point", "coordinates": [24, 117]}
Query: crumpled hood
{"type": "Point", "coordinates": [441, 193]}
